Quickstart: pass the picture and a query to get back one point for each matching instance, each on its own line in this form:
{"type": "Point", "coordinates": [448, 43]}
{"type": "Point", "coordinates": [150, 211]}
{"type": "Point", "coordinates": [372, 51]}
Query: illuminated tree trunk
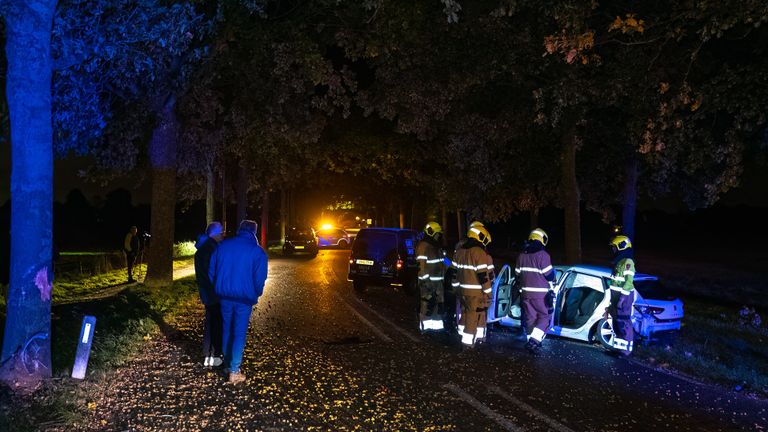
{"type": "Point", "coordinates": [401, 213]}
{"type": "Point", "coordinates": [28, 86]}
{"type": "Point", "coordinates": [210, 215]}
{"type": "Point", "coordinates": [264, 219]}
{"type": "Point", "coordinates": [162, 158]}
{"type": "Point", "coordinates": [571, 201]}
{"type": "Point", "coordinates": [459, 224]}
{"type": "Point", "coordinates": [444, 221]}
{"type": "Point", "coordinates": [629, 212]}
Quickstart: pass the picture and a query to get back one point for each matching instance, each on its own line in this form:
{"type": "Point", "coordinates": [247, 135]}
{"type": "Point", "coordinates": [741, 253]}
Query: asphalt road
{"type": "Point", "coordinates": [322, 357]}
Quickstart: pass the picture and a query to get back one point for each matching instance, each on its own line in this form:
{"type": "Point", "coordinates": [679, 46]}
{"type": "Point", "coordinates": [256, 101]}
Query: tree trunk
{"type": "Point", "coordinates": [264, 219]}
{"type": "Point", "coordinates": [534, 218]}
{"type": "Point", "coordinates": [242, 193]}
{"type": "Point", "coordinates": [401, 211]}
{"type": "Point", "coordinates": [210, 213]}
{"type": "Point", "coordinates": [413, 214]}
{"type": "Point", "coordinates": [571, 201]}
{"type": "Point", "coordinates": [444, 221]}
{"type": "Point", "coordinates": [629, 211]}
{"type": "Point", "coordinates": [460, 225]}
{"type": "Point", "coordinates": [162, 158]}
{"type": "Point", "coordinates": [224, 200]}
{"type": "Point", "coordinates": [283, 214]}
{"type": "Point", "coordinates": [28, 86]}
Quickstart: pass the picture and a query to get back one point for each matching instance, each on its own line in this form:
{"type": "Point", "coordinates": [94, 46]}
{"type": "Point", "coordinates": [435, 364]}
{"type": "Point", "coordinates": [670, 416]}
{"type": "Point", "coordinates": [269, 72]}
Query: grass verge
{"type": "Point", "coordinates": [713, 346]}
{"type": "Point", "coordinates": [123, 322]}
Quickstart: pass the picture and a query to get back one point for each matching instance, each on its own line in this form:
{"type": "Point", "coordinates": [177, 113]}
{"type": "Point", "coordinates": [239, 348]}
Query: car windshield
{"type": "Point", "coordinates": [373, 243]}
{"type": "Point", "coordinates": [299, 235]}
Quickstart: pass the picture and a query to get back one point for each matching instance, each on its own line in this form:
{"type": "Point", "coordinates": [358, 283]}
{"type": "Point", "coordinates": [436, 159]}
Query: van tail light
{"type": "Point", "coordinates": [399, 264]}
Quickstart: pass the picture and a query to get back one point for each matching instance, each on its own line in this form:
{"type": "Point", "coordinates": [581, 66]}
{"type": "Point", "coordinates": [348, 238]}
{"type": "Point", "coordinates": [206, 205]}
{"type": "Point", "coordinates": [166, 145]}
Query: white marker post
{"type": "Point", "coordinates": [84, 347]}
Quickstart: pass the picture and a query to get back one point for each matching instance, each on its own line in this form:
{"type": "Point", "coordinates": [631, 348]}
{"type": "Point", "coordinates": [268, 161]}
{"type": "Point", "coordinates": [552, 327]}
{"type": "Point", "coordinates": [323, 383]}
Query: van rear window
{"type": "Point", "coordinates": [372, 243]}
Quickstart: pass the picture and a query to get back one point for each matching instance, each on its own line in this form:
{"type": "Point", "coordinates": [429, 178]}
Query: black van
{"type": "Point", "coordinates": [384, 256]}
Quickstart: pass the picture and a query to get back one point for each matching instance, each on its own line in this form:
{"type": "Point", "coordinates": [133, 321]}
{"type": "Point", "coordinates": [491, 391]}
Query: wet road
{"type": "Point", "coordinates": [322, 357]}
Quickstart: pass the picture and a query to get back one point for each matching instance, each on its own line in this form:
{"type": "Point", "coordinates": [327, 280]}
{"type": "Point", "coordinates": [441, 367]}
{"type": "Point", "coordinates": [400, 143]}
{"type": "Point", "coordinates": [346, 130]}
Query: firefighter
{"type": "Point", "coordinates": [535, 277]}
{"type": "Point", "coordinates": [452, 305]}
{"type": "Point", "coordinates": [430, 255]}
{"type": "Point", "coordinates": [622, 294]}
{"type": "Point", "coordinates": [474, 274]}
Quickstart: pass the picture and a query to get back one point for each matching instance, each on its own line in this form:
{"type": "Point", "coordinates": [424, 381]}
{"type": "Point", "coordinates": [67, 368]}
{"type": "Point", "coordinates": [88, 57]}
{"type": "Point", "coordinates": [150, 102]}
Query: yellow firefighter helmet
{"type": "Point", "coordinates": [540, 235]}
{"type": "Point", "coordinates": [480, 234]}
{"type": "Point", "coordinates": [475, 224]}
{"type": "Point", "coordinates": [621, 242]}
{"type": "Point", "coordinates": [433, 229]}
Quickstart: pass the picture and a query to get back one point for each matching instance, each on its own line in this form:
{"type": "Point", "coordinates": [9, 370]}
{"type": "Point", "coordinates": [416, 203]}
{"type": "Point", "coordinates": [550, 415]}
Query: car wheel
{"type": "Point", "coordinates": [358, 285]}
{"type": "Point", "coordinates": [604, 333]}
{"type": "Point", "coordinates": [343, 244]}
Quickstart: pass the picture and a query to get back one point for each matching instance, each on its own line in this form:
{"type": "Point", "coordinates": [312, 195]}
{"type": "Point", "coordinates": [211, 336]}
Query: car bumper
{"type": "Point", "coordinates": [648, 325]}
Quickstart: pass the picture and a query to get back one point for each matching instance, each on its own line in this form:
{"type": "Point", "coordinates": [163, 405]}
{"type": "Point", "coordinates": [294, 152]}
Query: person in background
{"type": "Point", "coordinates": [473, 278]}
{"type": "Point", "coordinates": [238, 271]}
{"type": "Point", "coordinates": [212, 329]}
{"type": "Point", "coordinates": [535, 276]}
{"type": "Point", "coordinates": [431, 258]}
{"type": "Point", "coordinates": [622, 294]}
{"type": "Point", "coordinates": [131, 249]}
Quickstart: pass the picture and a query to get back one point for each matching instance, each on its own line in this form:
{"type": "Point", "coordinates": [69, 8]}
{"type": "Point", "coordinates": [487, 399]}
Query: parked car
{"type": "Point", "coordinates": [334, 237]}
{"type": "Point", "coordinates": [300, 240]}
{"type": "Point", "coordinates": [582, 294]}
{"type": "Point", "coordinates": [384, 256]}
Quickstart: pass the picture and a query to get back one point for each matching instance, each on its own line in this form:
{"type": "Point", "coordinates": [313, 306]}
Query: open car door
{"type": "Point", "coordinates": [502, 294]}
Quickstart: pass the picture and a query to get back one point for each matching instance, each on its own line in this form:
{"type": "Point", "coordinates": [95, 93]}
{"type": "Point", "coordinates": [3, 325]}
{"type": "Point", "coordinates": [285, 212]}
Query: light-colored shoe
{"type": "Point", "coordinates": [216, 361]}
{"type": "Point", "coordinates": [207, 362]}
{"type": "Point", "coordinates": [236, 377]}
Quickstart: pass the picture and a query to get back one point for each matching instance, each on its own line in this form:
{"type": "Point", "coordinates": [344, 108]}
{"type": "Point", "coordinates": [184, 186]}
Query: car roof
{"type": "Point", "coordinates": [604, 272]}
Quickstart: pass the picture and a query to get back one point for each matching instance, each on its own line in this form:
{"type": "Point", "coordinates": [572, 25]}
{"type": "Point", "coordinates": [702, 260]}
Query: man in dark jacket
{"type": "Point", "coordinates": [206, 244]}
{"type": "Point", "coordinates": [238, 271]}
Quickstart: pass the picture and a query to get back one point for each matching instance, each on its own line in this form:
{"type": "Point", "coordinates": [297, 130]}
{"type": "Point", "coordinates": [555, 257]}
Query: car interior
{"type": "Point", "coordinates": [578, 298]}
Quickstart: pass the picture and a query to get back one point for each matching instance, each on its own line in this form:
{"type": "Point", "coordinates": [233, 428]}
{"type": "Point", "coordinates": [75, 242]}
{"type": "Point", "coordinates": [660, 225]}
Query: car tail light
{"type": "Point", "coordinates": [652, 310]}
{"type": "Point", "coordinates": [399, 264]}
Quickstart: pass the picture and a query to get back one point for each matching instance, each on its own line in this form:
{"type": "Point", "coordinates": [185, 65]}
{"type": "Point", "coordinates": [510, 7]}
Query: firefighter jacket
{"type": "Point", "coordinates": [430, 257]}
{"type": "Point", "coordinates": [534, 271]}
{"type": "Point", "coordinates": [474, 272]}
{"type": "Point", "coordinates": [622, 279]}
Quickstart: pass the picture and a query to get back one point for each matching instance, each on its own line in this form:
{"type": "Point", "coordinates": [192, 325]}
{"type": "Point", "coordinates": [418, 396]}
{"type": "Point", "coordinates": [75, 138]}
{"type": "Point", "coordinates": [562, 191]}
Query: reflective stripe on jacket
{"type": "Point", "coordinates": [430, 259]}
{"type": "Point", "coordinates": [622, 279]}
{"type": "Point", "coordinates": [534, 271]}
{"type": "Point", "coordinates": [474, 271]}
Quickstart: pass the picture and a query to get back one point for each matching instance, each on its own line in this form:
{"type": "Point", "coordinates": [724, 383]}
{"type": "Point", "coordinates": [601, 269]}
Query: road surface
{"type": "Point", "coordinates": [322, 357]}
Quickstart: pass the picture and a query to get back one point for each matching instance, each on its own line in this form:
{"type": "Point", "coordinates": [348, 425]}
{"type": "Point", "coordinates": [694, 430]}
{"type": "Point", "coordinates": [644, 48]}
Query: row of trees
{"type": "Point", "coordinates": [495, 107]}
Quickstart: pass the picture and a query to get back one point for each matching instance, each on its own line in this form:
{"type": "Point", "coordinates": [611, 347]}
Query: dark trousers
{"type": "Point", "coordinates": [621, 311]}
{"type": "Point", "coordinates": [536, 315]}
{"type": "Point", "coordinates": [130, 258]}
{"type": "Point", "coordinates": [212, 331]}
{"type": "Point", "coordinates": [450, 310]}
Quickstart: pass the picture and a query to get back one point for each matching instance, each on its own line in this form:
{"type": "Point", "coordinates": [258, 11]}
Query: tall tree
{"type": "Point", "coordinates": [26, 344]}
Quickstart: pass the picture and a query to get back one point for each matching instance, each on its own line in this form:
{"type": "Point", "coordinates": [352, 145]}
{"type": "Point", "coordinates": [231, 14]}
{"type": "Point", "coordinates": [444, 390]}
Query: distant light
{"type": "Point", "coordinates": [357, 218]}
{"type": "Point", "coordinates": [369, 221]}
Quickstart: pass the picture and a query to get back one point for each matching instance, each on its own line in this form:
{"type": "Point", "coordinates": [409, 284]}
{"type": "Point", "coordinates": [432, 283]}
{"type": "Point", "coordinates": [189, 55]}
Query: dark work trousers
{"type": "Point", "coordinates": [212, 331]}
{"type": "Point", "coordinates": [621, 311]}
{"type": "Point", "coordinates": [130, 259]}
{"type": "Point", "coordinates": [450, 310]}
{"type": "Point", "coordinates": [536, 314]}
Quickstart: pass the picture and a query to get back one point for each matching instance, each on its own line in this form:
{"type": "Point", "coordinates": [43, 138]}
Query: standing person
{"type": "Point", "coordinates": [474, 275]}
{"type": "Point", "coordinates": [535, 274]}
{"type": "Point", "coordinates": [430, 256]}
{"type": "Point", "coordinates": [238, 271]}
{"type": "Point", "coordinates": [622, 294]}
{"type": "Point", "coordinates": [131, 249]}
{"type": "Point", "coordinates": [212, 329]}
{"type": "Point", "coordinates": [452, 305]}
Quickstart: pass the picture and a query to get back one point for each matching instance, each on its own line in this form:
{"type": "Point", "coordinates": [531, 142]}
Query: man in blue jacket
{"type": "Point", "coordinates": [238, 271]}
{"type": "Point", "coordinates": [205, 245]}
